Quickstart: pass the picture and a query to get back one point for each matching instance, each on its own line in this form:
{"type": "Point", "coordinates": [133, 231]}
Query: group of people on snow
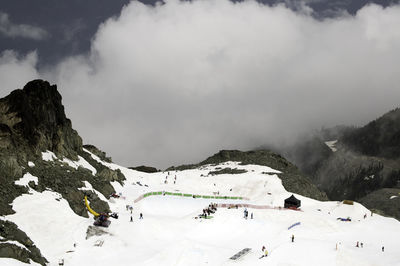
{"type": "Point", "coordinates": [212, 208]}
{"type": "Point", "coordinates": [246, 214]}
{"type": "Point", "coordinates": [166, 179]}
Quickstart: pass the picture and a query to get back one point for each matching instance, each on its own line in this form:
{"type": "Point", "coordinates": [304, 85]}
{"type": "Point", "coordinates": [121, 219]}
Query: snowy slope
{"type": "Point", "coordinates": [169, 234]}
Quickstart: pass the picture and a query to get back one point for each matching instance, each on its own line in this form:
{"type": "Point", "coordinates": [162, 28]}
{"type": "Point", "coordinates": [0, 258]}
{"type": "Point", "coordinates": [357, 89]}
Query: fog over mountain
{"type": "Point", "coordinates": [171, 83]}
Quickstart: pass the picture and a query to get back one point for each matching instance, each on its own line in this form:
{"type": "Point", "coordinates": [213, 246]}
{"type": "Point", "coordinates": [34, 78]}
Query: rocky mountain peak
{"type": "Point", "coordinates": [35, 116]}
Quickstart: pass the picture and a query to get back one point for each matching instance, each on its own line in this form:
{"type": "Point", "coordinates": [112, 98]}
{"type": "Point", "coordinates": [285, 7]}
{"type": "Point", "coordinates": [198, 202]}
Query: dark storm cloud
{"type": "Point", "coordinates": [173, 83]}
{"type": "Point", "coordinates": [70, 24]}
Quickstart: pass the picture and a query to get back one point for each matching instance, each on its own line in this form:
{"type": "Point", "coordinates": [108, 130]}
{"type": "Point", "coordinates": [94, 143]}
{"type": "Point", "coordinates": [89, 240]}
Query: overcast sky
{"type": "Point", "coordinates": [173, 83]}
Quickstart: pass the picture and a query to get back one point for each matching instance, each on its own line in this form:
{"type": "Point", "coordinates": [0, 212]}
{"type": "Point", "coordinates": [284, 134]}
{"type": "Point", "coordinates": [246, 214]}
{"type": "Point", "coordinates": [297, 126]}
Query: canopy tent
{"type": "Point", "coordinates": [292, 202]}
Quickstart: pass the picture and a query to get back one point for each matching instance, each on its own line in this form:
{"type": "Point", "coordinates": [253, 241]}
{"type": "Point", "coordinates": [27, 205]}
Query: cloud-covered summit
{"type": "Point", "coordinates": [175, 82]}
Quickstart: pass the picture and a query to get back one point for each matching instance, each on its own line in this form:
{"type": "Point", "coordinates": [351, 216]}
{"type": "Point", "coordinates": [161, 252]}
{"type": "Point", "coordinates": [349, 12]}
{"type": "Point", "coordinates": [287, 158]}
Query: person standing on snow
{"type": "Point", "coordinates": [292, 238]}
{"type": "Point", "coordinates": [265, 252]}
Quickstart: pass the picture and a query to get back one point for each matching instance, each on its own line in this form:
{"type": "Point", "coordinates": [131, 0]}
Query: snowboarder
{"type": "Point", "coordinates": [292, 238]}
{"type": "Point", "coordinates": [140, 216]}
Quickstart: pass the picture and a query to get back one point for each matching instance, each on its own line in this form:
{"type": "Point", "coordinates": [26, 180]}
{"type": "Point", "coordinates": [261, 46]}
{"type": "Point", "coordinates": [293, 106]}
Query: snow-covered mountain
{"type": "Point", "coordinates": [171, 233]}
{"type": "Point", "coordinates": [52, 187]}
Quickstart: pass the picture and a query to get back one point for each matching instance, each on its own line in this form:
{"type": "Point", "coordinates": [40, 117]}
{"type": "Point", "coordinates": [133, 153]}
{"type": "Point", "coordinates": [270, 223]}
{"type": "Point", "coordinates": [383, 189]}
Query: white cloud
{"type": "Point", "coordinates": [15, 71]}
{"type": "Point", "coordinates": [174, 83]}
{"type": "Point", "coordinates": [9, 29]}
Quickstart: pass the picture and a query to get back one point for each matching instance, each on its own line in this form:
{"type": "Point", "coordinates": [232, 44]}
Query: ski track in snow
{"type": "Point", "coordinates": [170, 235]}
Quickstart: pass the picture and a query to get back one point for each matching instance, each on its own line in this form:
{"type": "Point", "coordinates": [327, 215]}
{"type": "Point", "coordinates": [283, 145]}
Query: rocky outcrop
{"type": "Point", "coordinates": [145, 169]}
{"type": "Point", "coordinates": [32, 121]}
{"type": "Point", "coordinates": [99, 153]}
{"type": "Point", "coordinates": [34, 118]}
{"type": "Point", "coordinates": [25, 251]}
{"type": "Point", "coordinates": [384, 201]}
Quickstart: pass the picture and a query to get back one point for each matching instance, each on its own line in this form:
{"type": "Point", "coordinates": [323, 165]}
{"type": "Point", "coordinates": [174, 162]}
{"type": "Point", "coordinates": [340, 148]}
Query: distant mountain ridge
{"type": "Point", "coordinates": [292, 179]}
{"type": "Point", "coordinates": [380, 137]}
{"type": "Point", "coordinates": [366, 161]}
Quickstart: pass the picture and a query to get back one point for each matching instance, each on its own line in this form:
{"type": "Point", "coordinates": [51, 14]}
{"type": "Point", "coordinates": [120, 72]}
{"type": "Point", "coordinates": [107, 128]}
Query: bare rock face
{"type": "Point", "coordinates": [99, 153]}
{"type": "Point", "coordinates": [25, 252]}
{"type": "Point", "coordinates": [32, 121]}
{"type": "Point", "coordinates": [35, 117]}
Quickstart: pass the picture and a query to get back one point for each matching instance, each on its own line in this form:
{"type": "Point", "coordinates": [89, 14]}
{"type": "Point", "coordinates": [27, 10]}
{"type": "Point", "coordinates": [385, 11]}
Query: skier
{"type": "Point", "coordinates": [140, 216]}
{"type": "Point", "coordinates": [383, 248]}
{"type": "Point", "coordinates": [357, 244]}
{"type": "Point", "coordinates": [131, 218]}
{"type": "Point", "coordinates": [292, 238]}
